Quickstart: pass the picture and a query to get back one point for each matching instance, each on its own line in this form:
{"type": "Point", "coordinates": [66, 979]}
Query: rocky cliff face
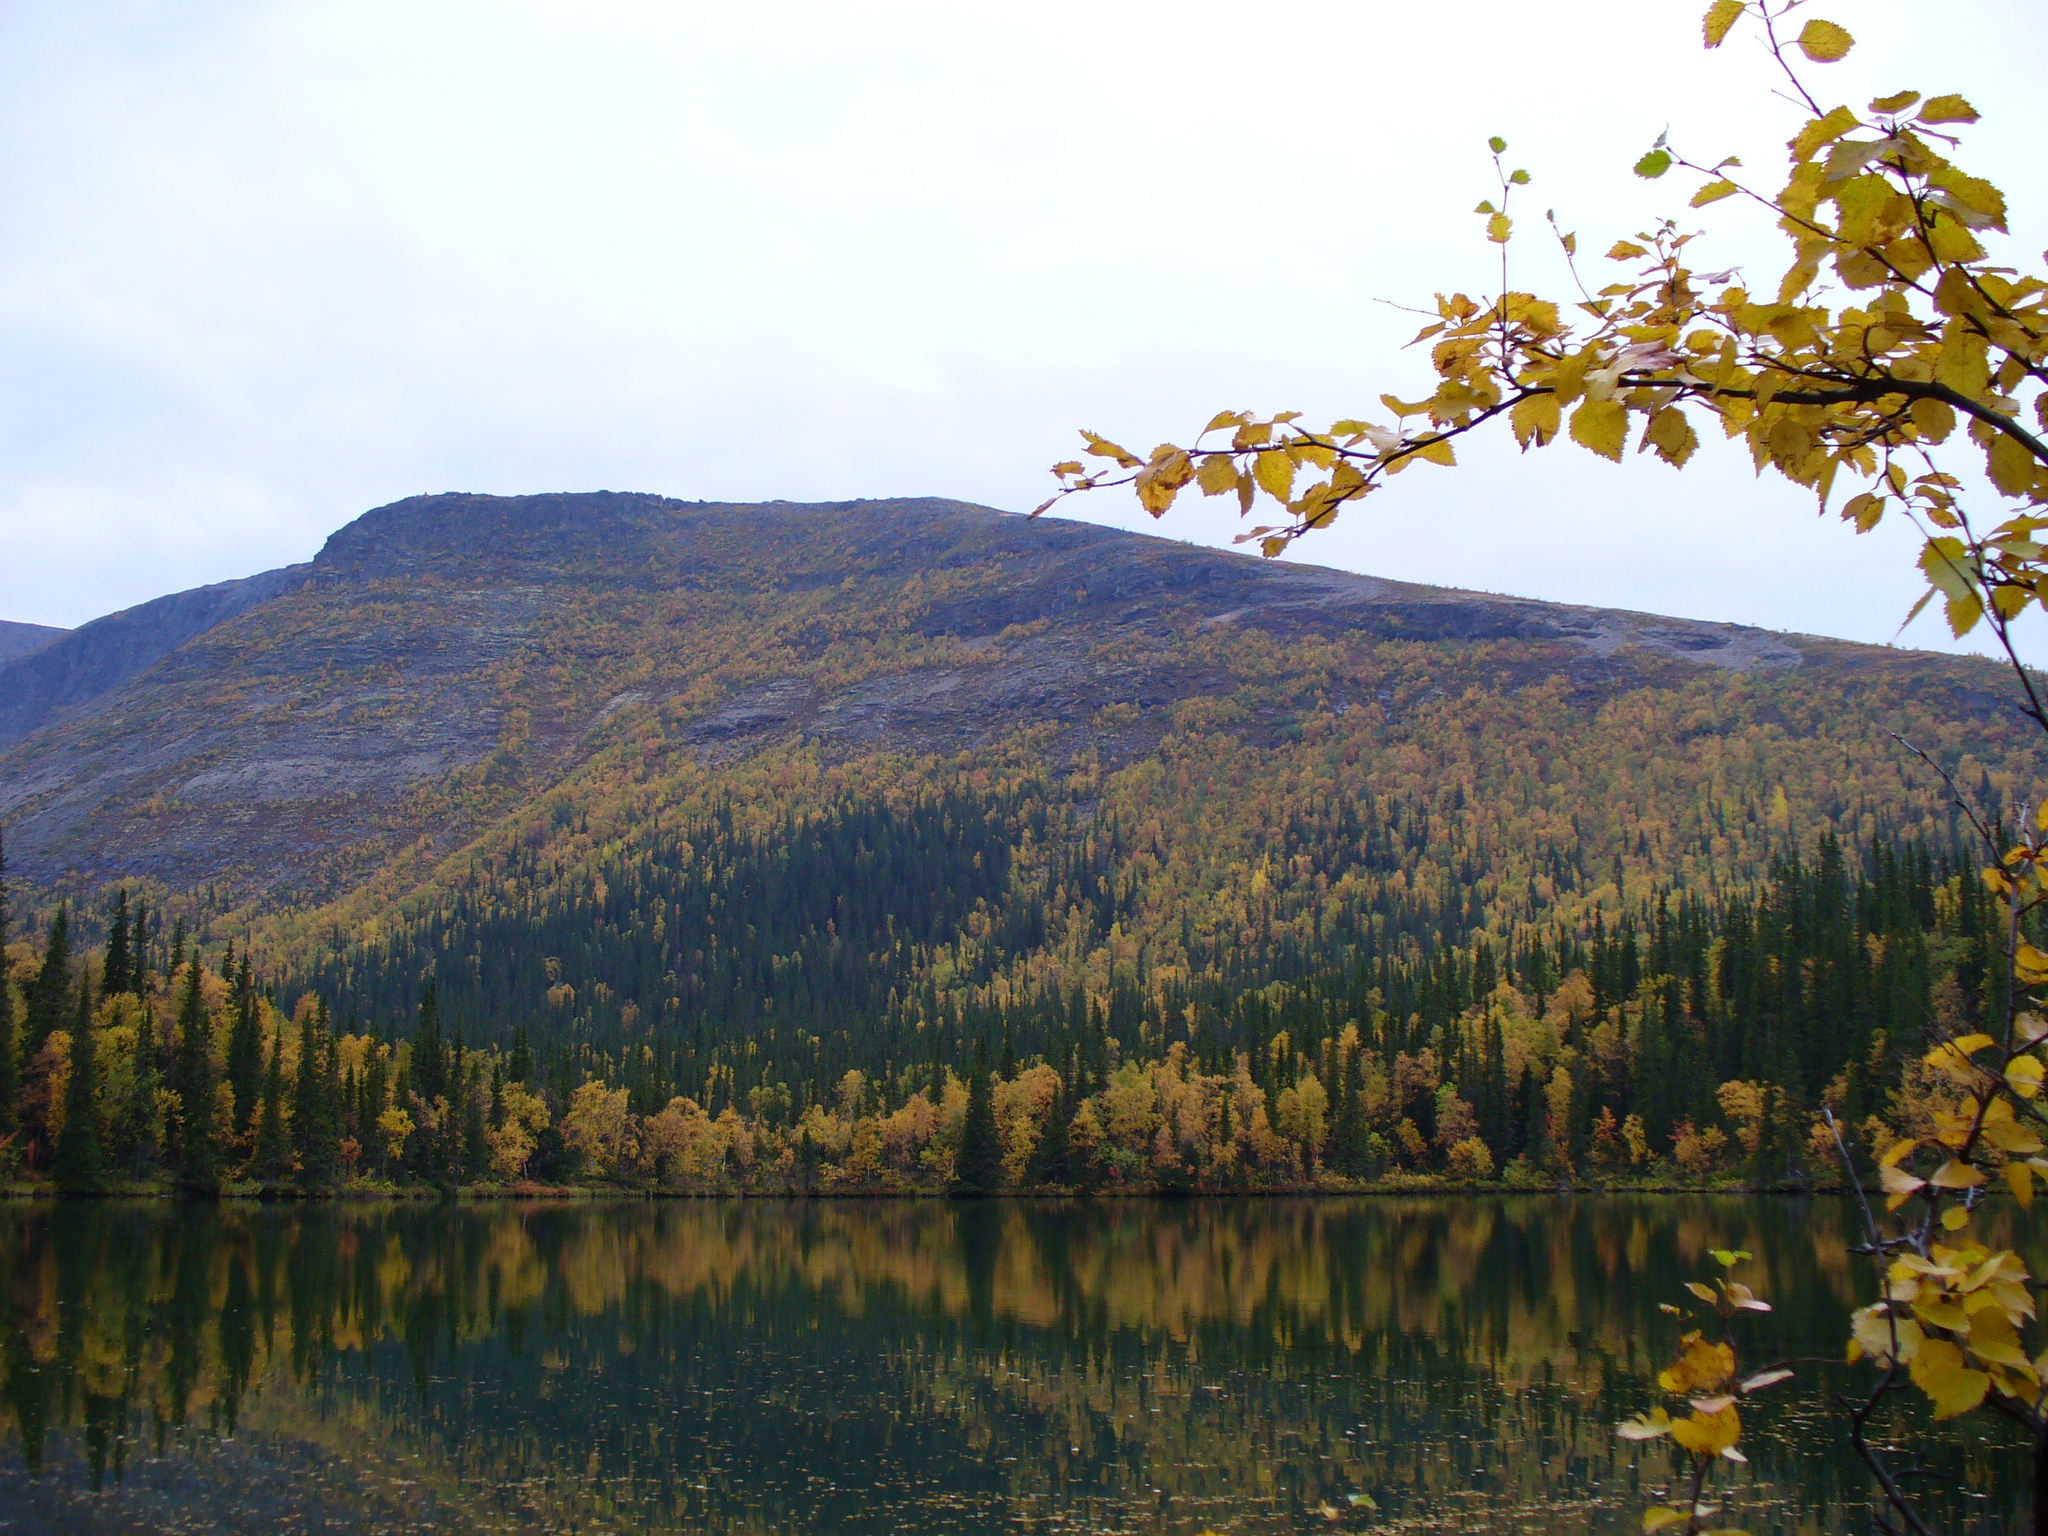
{"type": "Point", "coordinates": [447, 659]}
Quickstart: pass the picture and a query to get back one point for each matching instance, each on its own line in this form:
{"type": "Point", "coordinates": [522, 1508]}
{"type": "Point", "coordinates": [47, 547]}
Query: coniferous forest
{"type": "Point", "coordinates": [964, 983]}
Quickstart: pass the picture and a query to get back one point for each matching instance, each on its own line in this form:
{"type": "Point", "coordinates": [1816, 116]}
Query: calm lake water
{"type": "Point", "coordinates": [1251, 1366]}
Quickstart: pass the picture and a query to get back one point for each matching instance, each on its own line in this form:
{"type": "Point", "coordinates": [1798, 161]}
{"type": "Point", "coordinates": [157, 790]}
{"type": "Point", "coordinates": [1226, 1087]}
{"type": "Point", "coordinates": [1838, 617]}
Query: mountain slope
{"type": "Point", "coordinates": [446, 664]}
{"type": "Point", "coordinates": [18, 639]}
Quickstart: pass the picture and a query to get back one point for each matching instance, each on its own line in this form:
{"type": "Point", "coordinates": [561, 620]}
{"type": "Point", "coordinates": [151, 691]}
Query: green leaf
{"type": "Point", "coordinates": [1654, 164]}
{"type": "Point", "coordinates": [1520, 178]}
{"type": "Point", "coordinates": [1496, 144]}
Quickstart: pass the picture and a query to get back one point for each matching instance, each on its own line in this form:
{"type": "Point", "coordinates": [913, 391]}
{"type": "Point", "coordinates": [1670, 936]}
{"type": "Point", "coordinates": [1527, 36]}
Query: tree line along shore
{"type": "Point", "coordinates": [1695, 1048]}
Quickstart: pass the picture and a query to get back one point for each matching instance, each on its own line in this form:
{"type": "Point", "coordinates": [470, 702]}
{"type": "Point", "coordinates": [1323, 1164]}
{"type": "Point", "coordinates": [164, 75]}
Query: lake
{"type": "Point", "coordinates": [1387, 1364]}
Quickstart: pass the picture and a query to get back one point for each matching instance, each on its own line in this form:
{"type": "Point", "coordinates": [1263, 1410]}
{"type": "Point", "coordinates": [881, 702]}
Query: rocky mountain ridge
{"type": "Point", "coordinates": [17, 639]}
{"type": "Point", "coordinates": [445, 660]}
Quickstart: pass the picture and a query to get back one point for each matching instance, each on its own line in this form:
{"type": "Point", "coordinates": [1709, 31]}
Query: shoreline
{"type": "Point", "coordinates": [486, 1194]}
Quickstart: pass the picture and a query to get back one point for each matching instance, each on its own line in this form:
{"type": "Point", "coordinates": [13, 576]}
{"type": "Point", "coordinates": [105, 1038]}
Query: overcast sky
{"type": "Point", "coordinates": [266, 265]}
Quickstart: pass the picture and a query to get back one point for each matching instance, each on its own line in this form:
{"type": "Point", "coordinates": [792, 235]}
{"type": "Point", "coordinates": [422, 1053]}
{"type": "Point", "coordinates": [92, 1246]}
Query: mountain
{"type": "Point", "coordinates": [739, 800]}
{"type": "Point", "coordinates": [19, 639]}
{"type": "Point", "coordinates": [455, 669]}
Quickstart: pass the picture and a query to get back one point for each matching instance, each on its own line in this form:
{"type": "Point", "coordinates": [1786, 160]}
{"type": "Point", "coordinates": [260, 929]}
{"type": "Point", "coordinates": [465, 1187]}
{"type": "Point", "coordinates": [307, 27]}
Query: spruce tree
{"type": "Point", "coordinates": [1049, 1157]}
{"type": "Point", "coordinates": [272, 1162]}
{"type": "Point", "coordinates": [80, 1162]}
{"type": "Point", "coordinates": [139, 1141]}
{"type": "Point", "coordinates": [117, 974]}
{"type": "Point", "coordinates": [1347, 1151]}
{"type": "Point", "coordinates": [49, 996]}
{"type": "Point", "coordinates": [978, 1169]}
{"type": "Point", "coordinates": [314, 1111]}
{"type": "Point", "coordinates": [427, 1074]}
{"type": "Point", "coordinates": [373, 1091]}
{"type": "Point", "coordinates": [333, 1103]}
{"type": "Point", "coordinates": [10, 1057]}
{"type": "Point", "coordinates": [245, 1047]}
{"type": "Point", "coordinates": [138, 950]}
{"type": "Point", "coordinates": [198, 1137]}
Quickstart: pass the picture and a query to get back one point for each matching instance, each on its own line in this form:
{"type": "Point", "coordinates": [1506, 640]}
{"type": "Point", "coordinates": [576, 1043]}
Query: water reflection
{"type": "Point", "coordinates": [1401, 1364]}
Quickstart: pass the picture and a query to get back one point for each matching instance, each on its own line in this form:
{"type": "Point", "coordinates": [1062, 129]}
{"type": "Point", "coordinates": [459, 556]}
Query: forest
{"type": "Point", "coordinates": [907, 991]}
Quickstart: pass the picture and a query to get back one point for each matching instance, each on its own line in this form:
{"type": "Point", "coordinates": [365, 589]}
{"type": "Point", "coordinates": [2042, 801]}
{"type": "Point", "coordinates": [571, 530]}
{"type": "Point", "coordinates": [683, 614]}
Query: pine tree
{"type": "Point", "coordinates": [138, 1131]}
{"type": "Point", "coordinates": [313, 1125]}
{"type": "Point", "coordinates": [1049, 1157]}
{"type": "Point", "coordinates": [371, 1096]}
{"type": "Point", "coordinates": [116, 970]}
{"type": "Point", "coordinates": [427, 1074]}
{"type": "Point", "coordinates": [1347, 1150]}
{"type": "Point", "coordinates": [272, 1162]}
{"type": "Point", "coordinates": [80, 1163]}
{"type": "Point", "coordinates": [333, 1105]}
{"type": "Point", "coordinates": [198, 1136]}
{"type": "Point", "coordinates": [245, 1045]}
{"type": "Point", "coordinates": [476, 1151]}
{"type": "Point", "coordinates": [978, 1169]}
{"type": "Point", "coordinates": [139, 949]}
{"type": "Point", "coordinates": [10, 1058]}
{"type": "Point", "coordinates": [49, 996]}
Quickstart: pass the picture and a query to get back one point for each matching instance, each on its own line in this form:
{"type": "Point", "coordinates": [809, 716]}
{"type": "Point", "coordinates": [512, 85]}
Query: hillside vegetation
{"type": "Point", "coordinates": [900, 844]}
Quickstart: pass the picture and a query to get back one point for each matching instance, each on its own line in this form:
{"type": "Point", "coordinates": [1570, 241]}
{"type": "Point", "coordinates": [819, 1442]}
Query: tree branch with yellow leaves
{"type": "Point", "coordinates": [1896, 355]}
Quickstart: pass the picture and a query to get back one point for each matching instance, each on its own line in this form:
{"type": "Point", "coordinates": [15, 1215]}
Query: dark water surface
{"type": "Point", "coordinates": [1436, 1364]}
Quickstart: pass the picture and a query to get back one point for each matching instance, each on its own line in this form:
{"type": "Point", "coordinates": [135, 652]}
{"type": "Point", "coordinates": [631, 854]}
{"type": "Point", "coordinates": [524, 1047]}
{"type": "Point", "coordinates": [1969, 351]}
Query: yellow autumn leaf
{"type": "Point", "coordinates": [1938, 1311]}
{"type": "Point", "coordinates": [1951, 1386]}
{"type": "Point", "coordinates": [1953, 1056]}
{"type": "Point", "coordinates": [1994, 1339]}
{"type": "Point", "coordinates": [2008, 1135]}
{"type": "Point", "coordinates": [1957, 1175]}
{"type": "Point", "coordinates": [1657, 1516]}
{"type": "Point", "coordinates": [1273, 472]}
{"type": "Point", "coordinates": [1947, 109]}
{"type": "Point", "coordinates": [1701, 1366]}
{"type": "Point", "coordinates": [2023, 1074]}
{"type": "Point", "coordinates": [1708, 1434]}
{"type": "Point", "coordinates": [1874, 1329]}
{"type": "Point", "coordinates": [1713, 192]}
{"type": "Point", "coordinates": [1535, 420]}
{"type": "Point", "coordinates": [1671, 434]}
{"type": "Point", "coordinates": [2020, 1179]}
{"type": "Point", "coordinates": [1498, 228]}
{"type": "Point", "coordinates": [1216, 475]}
{"type": "Point", "coordinates": [1899, 1186]}
{"type": "Point", "coordinates": [1602, 426]}
{"type": "Point", "coordinates": [1721, 15]}
{"type": "Point", "coordinates": [1824, 42]}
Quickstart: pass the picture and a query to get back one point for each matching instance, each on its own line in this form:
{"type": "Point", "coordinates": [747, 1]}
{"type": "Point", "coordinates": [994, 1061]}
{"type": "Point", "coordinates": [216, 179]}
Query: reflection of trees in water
{"type": "Point", "coordinates": [853, 1363]}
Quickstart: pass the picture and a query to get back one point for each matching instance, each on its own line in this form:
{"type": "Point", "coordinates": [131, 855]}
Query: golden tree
{"type": "Point", "coordinates": [1898, 369]}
